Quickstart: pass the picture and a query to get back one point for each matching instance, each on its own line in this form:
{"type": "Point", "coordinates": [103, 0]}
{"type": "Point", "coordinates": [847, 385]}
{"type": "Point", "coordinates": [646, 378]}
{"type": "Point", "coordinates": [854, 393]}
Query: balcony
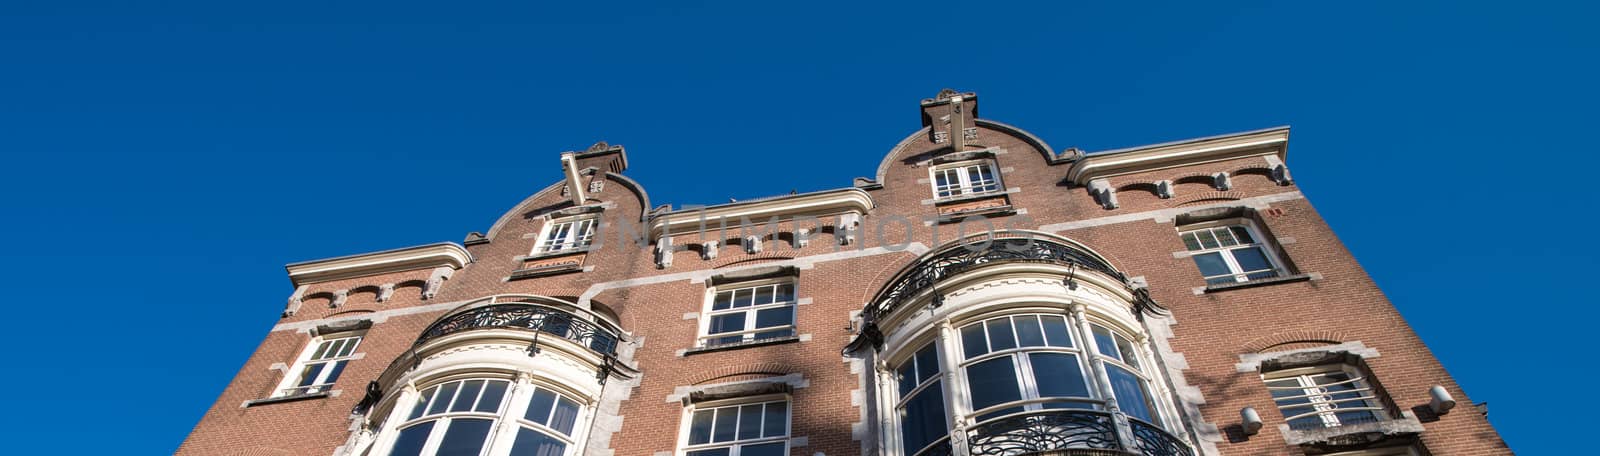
{"type": "Point", "coordinates": [1072, 432]}
{"type": "Point", "coordinates": [530, 317]}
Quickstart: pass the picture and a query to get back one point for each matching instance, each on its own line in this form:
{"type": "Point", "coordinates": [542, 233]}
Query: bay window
{"type": "Point", "coordinates": [921, 405]}
{"type": "Point", "coordinates": [462, 418]}
{"type": "Point", "coordinates": [1128, 384]}
{"type": "Point", "coordinates": [1022, 362]}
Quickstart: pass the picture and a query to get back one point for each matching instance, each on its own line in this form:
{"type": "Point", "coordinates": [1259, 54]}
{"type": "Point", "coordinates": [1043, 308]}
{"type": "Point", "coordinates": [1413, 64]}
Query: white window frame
{"type": "Point", "coordinates": [1022, 365]}
{"type": "Point", "coordinates": [1322, 405]}
{"type": "Point", "coordinates": [736, 445]}
{"type": "Point", "coordinates": [748, 334]}
{"type": "Point", "coordinates": [964, 185]}
{"type": "Point", "coordinates": [507, 420]}
{"type": "Point", "coordinates": [553, 240]}
{"type": "Point", "coordinates": [939, 380]}
{"type": "Point", "coordinates": [344, 344]}
{"type": "Point", "coordinates": [1235, 272]}
{"type": "Point", "coordinates": [1136, 367]}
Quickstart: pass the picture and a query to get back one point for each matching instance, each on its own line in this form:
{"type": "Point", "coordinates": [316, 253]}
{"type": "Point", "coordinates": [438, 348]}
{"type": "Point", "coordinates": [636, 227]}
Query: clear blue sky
{"type": "Point", "coordinates": [161, 162]}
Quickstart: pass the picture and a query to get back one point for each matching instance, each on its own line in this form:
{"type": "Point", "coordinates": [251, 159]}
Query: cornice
{"type": "Point", "coordinates": [446, 254]}
{"type": "Point", "coordinates": [814, 204]}
{"type": "Point", "coordinates": [1271, 141]}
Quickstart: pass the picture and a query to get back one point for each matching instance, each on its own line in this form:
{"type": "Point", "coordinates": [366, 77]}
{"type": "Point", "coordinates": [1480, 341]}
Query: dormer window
{"type": "Point", "coordinates": [965, 178]}
{"type": "Point", "coordinates": [565, 235]}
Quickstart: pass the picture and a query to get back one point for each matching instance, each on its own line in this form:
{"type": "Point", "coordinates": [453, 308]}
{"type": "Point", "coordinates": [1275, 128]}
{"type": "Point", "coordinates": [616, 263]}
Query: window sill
{"type": "Point", "coordinates": [1258, 283]}
{"type": "Point", "coordinates": [997, 211]}
{"type": "Point", "coordinates": [550, 263]}
{"type": "Point", "coordinates": [555, 254]}
{"type": "Point", "coordinates": [739, 345]}
{"type": "Point", "coordinates": [969, 197]}
{"type": "Point", "coordinates": [282, 399]}
{"type": "Point", "coordinates": [1353, 434]}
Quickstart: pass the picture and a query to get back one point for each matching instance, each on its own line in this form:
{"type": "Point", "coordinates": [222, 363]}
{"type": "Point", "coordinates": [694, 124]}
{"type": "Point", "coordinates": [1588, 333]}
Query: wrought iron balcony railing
{"type": "Point", "coordinates": [960, 259]}
{"type": "Point", "coordinates": [543, 319]}
{"type": "Point", "coordinates": [1058, 430]}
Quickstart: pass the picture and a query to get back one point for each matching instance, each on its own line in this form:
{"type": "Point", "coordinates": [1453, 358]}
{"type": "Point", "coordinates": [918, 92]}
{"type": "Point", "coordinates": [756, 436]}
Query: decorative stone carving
{"type": "Point", "coordinates": [385, 292]}
{"type": "Point", "coordinates": [1280, 171]}
{"type": "Point", "coordinates": [970, 134]}
{"type": "Point", "coordinates": [940, 137]}
{"type": "Point", "coordinates": [596, 185]}
{"type": "Point", "coordinates": [1103, 193]}
{"type": "Point", "coordinates": [339, 298]}
{"type": "Point", "coordinates": [1164, 189]}
{"type": "Point", "coordinates": [1222, 182]}
{"type": "Point", "coordinates": [849, 225]}
{"type": "Point", "coordinates": [708, 250]}
{"type": "Point", "coordinates": [752, 244]}
{"type": "Point", "coordinates": [664, 252]}
{"type": "Point", "coordinates": [802, 237]}
{"type": "Point", "coordinates": [295, 300]}
{"type": "Point", "coordinates": [599, 147]}
{"type": "Point", "coordinates": [436, 280]}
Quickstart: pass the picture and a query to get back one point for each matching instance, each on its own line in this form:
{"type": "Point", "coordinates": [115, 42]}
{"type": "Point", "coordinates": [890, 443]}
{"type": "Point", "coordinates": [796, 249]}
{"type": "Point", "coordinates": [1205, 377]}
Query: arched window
{"type": "Point", "coordinates": [459, 418]}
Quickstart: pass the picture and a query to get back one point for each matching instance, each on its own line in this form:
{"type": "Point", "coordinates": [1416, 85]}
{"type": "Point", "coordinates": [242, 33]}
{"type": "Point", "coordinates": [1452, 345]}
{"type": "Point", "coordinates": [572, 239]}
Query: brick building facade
{"type": "Point", "coordinates": [980, 294]}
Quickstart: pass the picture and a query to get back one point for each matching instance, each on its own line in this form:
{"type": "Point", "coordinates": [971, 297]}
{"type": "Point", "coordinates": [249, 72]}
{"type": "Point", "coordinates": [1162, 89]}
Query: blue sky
{"type": "Point", "coordinates": [163, 161]}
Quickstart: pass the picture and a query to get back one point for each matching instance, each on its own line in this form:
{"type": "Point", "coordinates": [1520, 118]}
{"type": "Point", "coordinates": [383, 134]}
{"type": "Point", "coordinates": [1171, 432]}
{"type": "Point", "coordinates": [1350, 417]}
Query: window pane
{"type": "Point", "coordinates": [1058, 375]}
{"type": "Point", "coordinates": [441, 402]}
{"type": "Point", "coordinates": [422, 403]}
{"type": "Point", "coordinates": [464, 437]}
{"type": "Point", "coordinates": [1190, 242]}
{"type": "Point", "coordinates": [993, 382]}
{"type": "Point", "coordinates": [727, 420]}
{"type": "Point", "coordinates": [742, 298]}
{"type": "Point", "coordinates": [1206, 239]}
{"type": "Point", "coordinates": [469, 394]}
{"type": "Point", "coordinates": [908, 376]}
{"type": "Point", "coordinates": [727, 323]}
{"type": "Point", "coordinates": [972, 340]}
{"type": "Point", "coordinates": [1055, 329]}
{"type": "Point", "coordinates": [785, 292]}
{"type": "Point", "coordinates": [322, 349]}
{"type": "Point", "coordinates": [1242, 234]}
{"type": "Point", "coordinates": [565, 415]}
{"type": "Point", "coordinates": [349, 346]}
{"type": "Point", "coordinates": [308, 375]}
{"type": "Point", "coordinates": [1000, 337]}
{"type": "Point", "coordinates": [922, 420]}
{"type": "Point", "coordinates": [776, 316]}
{"type": "Point", "coordinates": [540, 405]}
{"type": "Point", "coordinates": [1224, 237]}
{"type": "Point", "coordinates": [777, 419]}
{"type": "Point", "coordinates": [1028, 332]}
{"type": "Point", "coordinates": [411, 439]}
{"type": "Point", "coordinates": [765, 449]}
{"type": "Point", "coordinates": [927, 363]}
{"type": "Point", "coordinates": [700, 427]}
{"type": "Point", "coordinates": [1130, 393]}
{"type": "Point", "coordinates": [764, 295]}
{"type": "Point", "coordinates": [493, 393]}
{"type": "Point", "coordinates": [750, 422]}
{"type": "Point", "coordinates": [1251, 259]}
{"type": "Point", "coordinates": [534, 443]}
{"type": "Point", "coordinates": [1125, 349]}
{"type": "Point", "coordinates": [723, 301]}
{"type": "Point", "coordinates": [1103, 343]}
{"type": "Point", "coordinates": [710, 452]}
{"type": "Point", "coordinates": [1211, 264]}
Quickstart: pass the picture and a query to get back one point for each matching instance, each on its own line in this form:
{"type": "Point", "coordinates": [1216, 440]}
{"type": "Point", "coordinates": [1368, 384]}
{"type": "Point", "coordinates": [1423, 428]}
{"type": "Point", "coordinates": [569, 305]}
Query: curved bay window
{"type": "Point", "coordinates": [459, 418]}
{"type": "Point", "coordinates": [921, 404]}
{"type": "Point", "coordinates": [1128, 384]}
{"type": "Point", "coordinates": [1022, 362]}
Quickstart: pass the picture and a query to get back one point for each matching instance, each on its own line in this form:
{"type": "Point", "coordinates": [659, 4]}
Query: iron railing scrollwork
{"type": "Point", "coordinates": [545, 320]}
{"type": "Point", "coordinates": [972, 255]}
{"type": "Point", "coordinates": [1152, 441]}
{"type": "Point", "coordinates": [938, 448]}
{"type": "Point", "coordinates": [1059, 430]}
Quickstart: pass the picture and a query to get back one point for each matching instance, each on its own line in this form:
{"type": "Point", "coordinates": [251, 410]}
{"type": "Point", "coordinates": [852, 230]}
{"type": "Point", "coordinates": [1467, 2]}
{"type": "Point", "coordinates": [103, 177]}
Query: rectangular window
{"type": "Point", "coordinates": [1326, 396]}
{"type": "Point", "coordinates": [561, 236]}
{"type": "Point", "coordinates": [1231, 253]}
{"type": "Point", "coordinates": [320, 368]}
{"type": "Point", "coordinates": [757, 429]}
{"type": "Point", "coordinates": [749, 314]}
{"type": "Point", "coordinates": [970, 178]}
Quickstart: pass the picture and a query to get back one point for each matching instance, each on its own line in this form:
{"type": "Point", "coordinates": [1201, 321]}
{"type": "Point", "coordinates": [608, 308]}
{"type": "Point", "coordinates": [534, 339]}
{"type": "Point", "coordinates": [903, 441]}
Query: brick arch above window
{"type": "Point", "coordinates": [1279, 340]}
{"type": "Point", "coordinates": [743, 372]}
